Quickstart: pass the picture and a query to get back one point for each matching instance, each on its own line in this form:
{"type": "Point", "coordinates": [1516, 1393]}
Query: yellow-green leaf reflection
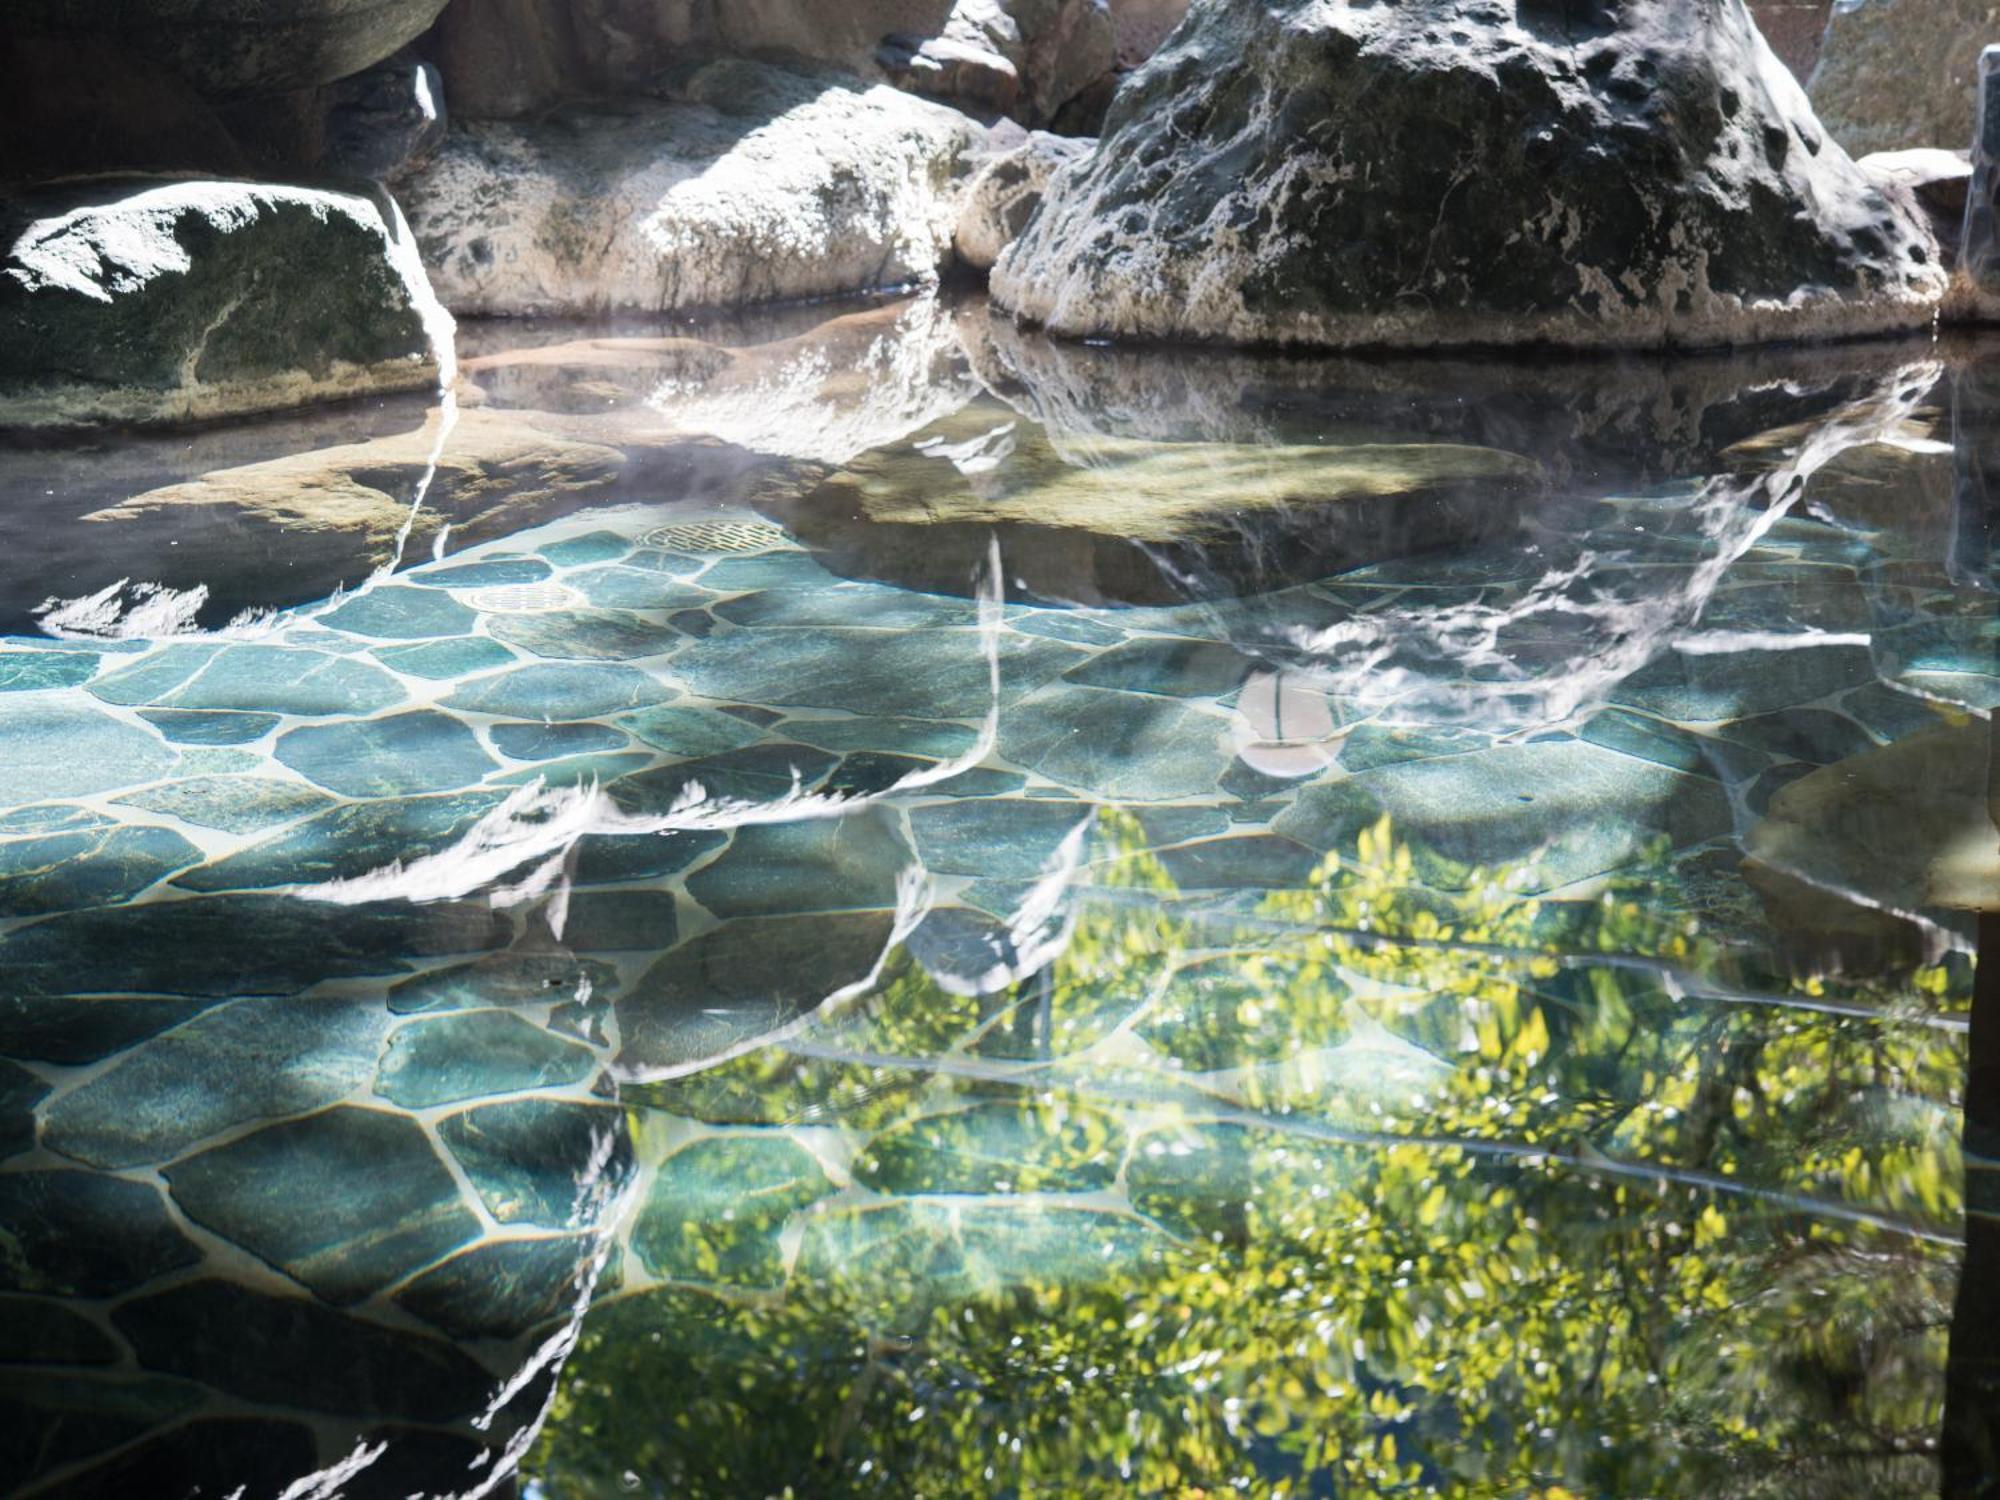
{"type": "Point", "coordinates": [1367, 1188]}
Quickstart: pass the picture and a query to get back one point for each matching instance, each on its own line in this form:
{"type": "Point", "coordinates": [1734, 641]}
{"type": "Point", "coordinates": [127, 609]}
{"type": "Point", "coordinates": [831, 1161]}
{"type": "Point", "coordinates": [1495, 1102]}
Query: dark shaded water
{"type": "Point", "coordinates": [895, 908]}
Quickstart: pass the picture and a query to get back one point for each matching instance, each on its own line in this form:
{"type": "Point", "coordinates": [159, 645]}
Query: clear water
{"type": "Point", "coordinates": [1014, 920]}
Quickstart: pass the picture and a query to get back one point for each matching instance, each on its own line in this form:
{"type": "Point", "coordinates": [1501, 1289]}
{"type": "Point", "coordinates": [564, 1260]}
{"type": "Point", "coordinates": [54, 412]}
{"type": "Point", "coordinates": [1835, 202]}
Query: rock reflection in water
{"type": "Point", "coordinates": [677, 1000]}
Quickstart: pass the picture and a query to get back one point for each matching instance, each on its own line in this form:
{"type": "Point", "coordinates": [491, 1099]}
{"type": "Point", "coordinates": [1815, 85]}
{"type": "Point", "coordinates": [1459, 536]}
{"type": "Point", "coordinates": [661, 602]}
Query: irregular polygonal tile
{"type": "Point", "coordinates": [591, 547]}
{"type": "Point", "coordinates": [48, 817]}
{"type": "Point", "coordinates": [577, 770]}
{"type": "Point", "coordinates": [248, 1344]}
{"type": "Point", "coordinates": [200, 726]}
{"type": "Point", "coordinates": [347, 1202]}
{"type": "Point", "coordinates": [235, 804]}
{"type": "Point", "coordinates": [207, 1456]}
{"type": "Point", "coordinates": [394, 612]}
{"type": "Point", "coordinates": [717, 1206]}
{"type": "Point", "coordinates": [721, 991]}
{"type": "Point", "coordinates": [561, 694]}
{"type": "Point", "coordinates": [82, 1234]}
{"type": "Point", "coordinates": [1250, 862]}
{"type": "Point", "coordinates": [1001, 1147]}
{"type": "Point", "coordinates": [439, 1059]}
{"type": "Point", "coordinates": [421, 751]}
{"type": "Point", "coordinates": [692, 731]}
{"type": "Point", "coordinates": [552, 1162]}
{"type": "Point", "coordinates": [51, 1420]}
{"type": "Point", "coordinates": [611, 921]}
{"type": "Point", "coordinates": [1066, 625]}
{"type": "Point", "coordinates": [1003, 838]}
{"type": "Point", "coordinates": [585, 635]}
{"type": "Point", "coordinates": [50, 749]}
{"type": "Point", "coordinates": [250, 1060]}
{"type": "Point", "coordinates": [83, 1029]}
{"type": "Point", "coordinates": [1705, 686]}
{"type": "Point", "coordinates": [269, 679]}
{"type": "Point", "coordinates": [757, 773]}
{"type": "Point", "coordinates": [32, 671]}
{"type": "Point", "coordinates": [785, 569]}
{"type": "Point", "coordinates": [502, 1289]}
{"type": "Point", "coordinates": [35, 1331]}
{"type": "Point", "coordinates": [1120, 746]}
{"type": "Point", "coordinates": [548, 741]}
{"type": "Point", "coordinates": [1163, 665]}
{"type": "Point", "coordinates": [821, 864]}
{"type": "Point", "coordinates": [935, 739]}
{"type": "Point", "coordinates": [850, 605]}
{"type": "Point", "coordinates": [640, 856]}
{"type": "Point", "coordinates": [633, 588]}
{"type": "Point", "coordinates": [489, 574]}
{"type": "Point", "coordinates": [437, 660]}
{"type": "Point", "coordinates": [96, 866]}
{"type": "Point", "coordinates": [1817, 735]}
{"type": "Point", "coordinates": [20, 1092]}
{"type": "Point", "coordinates": [1668, 744]}
{"type": "Point", "coordinates": [347, 841]}
{"type": "Point", "coordinates": [1366, 746]}
{"type": "Point", "coordinates": [503, 979]}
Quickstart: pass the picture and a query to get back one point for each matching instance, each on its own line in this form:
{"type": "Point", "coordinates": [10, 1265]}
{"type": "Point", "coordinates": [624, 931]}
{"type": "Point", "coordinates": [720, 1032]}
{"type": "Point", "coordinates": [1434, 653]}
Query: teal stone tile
{"type": "Point", "coordinates": [732, 986]}
{"type": "Point", "coordinates": [620, 587]}
{"type": "Point", "coordinates": [443, 660]}
{"type": "Point", "coordinates": [1176, 825]}
{"type": "Point", "coordinates": [1249, 862]}
{"type": "Point", "coordinates": [923, 674]}
{"type": "Point", "coordinates": [821, 864]}
{"type": "Point", "coordinates": [1817, 735]}
{"type": "Point", "coordinates": [1890, 713]}
{"type": "Point", "coordinates": [492, 573]}
{"type": "Point", "coordinates": [47, 817]}
{"type": "Point", "coordinates": [235, 804]}
{"type": "Point", "coordinates": [620, 920]}
{"type": "Point", "coordinates": [642, 856]}
{"type": "Point", "coordinates": [591, 547]}
{"type": "Point", "coordinates": [698, 623]}
{"type": "Point", "coordinates": [347, 1202]}
{"type": "Point", "coordinates": [966, 948]}
{"type": "Point", "coordinates": [787, 569]}
{"type": "Point", "coordinates": [31, 671]}
{"type": "Point", "coordinates": [69, 750]}
{"type": "Point", "coordinates": [162, 1098]}
{"type": "Point", "coordinates": [201, 1456]}
{"type": "Point", "coordinates": [868, 773]}
{"type": "Point", "coordinates": [38, 1332]}
{"type": "Point", "coordinates": [73, 1030]}
{"type": "Point", "coordinates": [586, 635]}
{"type": "Point", "coordinates": [1954, 643]}
{"type": "Point", "coordinates": [82, 1234]}
{"type": "Point", "coordinates": [577, 770]}
{"type": "Point", "coordinates": [1065, 625]}
{"type": "Point", "coordinates": [546, 1162]}
{"type": "Point", "coordinates": [20, 1092]}
{"type": "Point", "coordinates": [1971, 689]}
{"type": "Point", "coordinates": [443, 1058]}
{"type": "Point", "coordinates": [1126, 747]}
{"type": "Point", "coordinates": [518, 977]}
{"type": "Point", "coordinates": [502, 1289]}
{"type": "Point", "coordinates": [998, 898]}
{"type": "Point", "coordinates": [932, 738]}
{"type": "Point", "coordinates": [548, 741]}
{"type": "Point", "coordinates": [196, 948]}
{"type": "Point", "coordinates": [346, 841]}
{"type": "Point", "coordinates": [58, 1418]}
{"type": "Point", "coordinates": [1369, 745]}
{"type": "Point", "coordinates": [1570, 810]}
{"type": "Point", "coordinates": [692, 731]}
{"type": "Point", "coordinates": [396, 612]}
{"type": "Point", "coordinates": [199, 761]}
{"type": "Point", "coordinates": [852, 605]}
{"type": "Point", "coordinates": [88, 867]}
{"type": "Point", "coordinates": [757, 773]}
{"type": "Point", "coordinates": [997, 838]}
{"type": "Point", "coordinates": [1703, 687]}
{"type": "Point", "coordinates": [1173, 668]}
{"type": "Point", "coordinates": [716, 1208]}
{"type": "Point", "coordinates": [680, 564]}
{"type": "Point", "coordinates": [209, 727]}
{"type": "Point", "coordinates": [421, 751]}
{"type": "Point", "coordinates": [247, 1343]}
{"type": "Point", "coordinates": [750, 713]}
{"type": "Point", "coordinates": [268, 679]}
{"type": "Point", "coordinates": [566, 694]}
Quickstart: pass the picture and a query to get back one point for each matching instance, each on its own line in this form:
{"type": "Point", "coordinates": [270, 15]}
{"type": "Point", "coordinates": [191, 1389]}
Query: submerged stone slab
{"type": "Point", "coordinates": [90, 867]}
{"type": "Point", "coordinates": [72, 1029]}
{"type": "Point", "coordinates": [470, 1054]}
{"type": "Point", "coordinates": [586, 635]}
{"type": "Point", "coordinates": [254, 1059]}
{"type": "Point", "coordinates": [269, 679]}
{"type": "Point", "coordinates": [235, 804]}
{"type": "Point", "coordinates": [620, 920]}
{"type": "Point", "coordinates": [37, 1332]}
{"type": "Point", "coordinates": [32, 671]}
{"type": "Point", "coordinates": [819, 864]}
{"type": "Point", "coordinates": [193, 726]}
{"type": "Point", "coordinates": [562, 693]}
{"type": "Point", "coordinates": [345, 842]}
{"type": "Point", "coordinates": [81, 1234]}
{"type": "Point", "coordinates": [20, 1092]}
{"type": "Point", "coordinates": [396, 612]}
{"type": "Point", "coordinates": [502, 1289]}
{"type": "Point", "coordinates": [549, 1162]}
{"type": "Point", "coordinates": [56, 749]}
{"type": "Point", "coordinates": [348, 1201]}
{"type": "Point", "coordinates": [693, 731]}
{"type": "Point", "coordinates": [1118, 745]}
{"type": "Point", "coordinates": [1001, 838]}
{"type": "Point", "coordinates": [536, 742]}
{"type": "Point", "coordinates": [407, 753]}
{"type": "Point", "coordinates": [717, 1206]}
{"type": "Point", "coordinates": [443, 660]}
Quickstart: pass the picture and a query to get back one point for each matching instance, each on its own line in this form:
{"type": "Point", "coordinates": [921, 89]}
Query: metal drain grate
{"type": "Point", "coordinates": [522, 598]}
{"type": "Point", "coordinates": [718, 536]}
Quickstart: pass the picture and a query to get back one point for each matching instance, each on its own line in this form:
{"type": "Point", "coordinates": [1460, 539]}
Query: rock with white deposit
{"type": "Point", "coordinates": [1899, 73]}
{"type": "Point", "coordinates": [1469, 172]}
{"type": "Point", "coordinates": [748, 183]}
{"type": "Point", "coordinates": [170, 301]}
{"type": "Point", "coordinates": [1005, 192]}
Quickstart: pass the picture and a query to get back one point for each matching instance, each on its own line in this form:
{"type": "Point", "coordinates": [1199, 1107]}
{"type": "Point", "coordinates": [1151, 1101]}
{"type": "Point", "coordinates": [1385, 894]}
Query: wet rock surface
{"type": "Point", "coordinates": [1897, 74]}
{"type": "Point", "coordinates": [1659, 180]}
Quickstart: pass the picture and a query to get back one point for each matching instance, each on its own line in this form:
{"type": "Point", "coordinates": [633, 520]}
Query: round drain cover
{"type": "Point", "coordinates": [718, 536]}
{"type": "Point", "coordinates": [522, 598]}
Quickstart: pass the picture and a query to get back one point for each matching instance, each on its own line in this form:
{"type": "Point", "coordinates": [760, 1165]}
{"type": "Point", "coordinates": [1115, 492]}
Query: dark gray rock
{"type": "Point", "coordinates": [385, 122]}
{"type": "Point", "coordinates": [165, 301]}
{"type": "Point", "coordinates": [1639, 173]}
{"type": "Point", "coordinates": [77, 1234]}
{"type": "Point", "coordinates": [1898, 73]}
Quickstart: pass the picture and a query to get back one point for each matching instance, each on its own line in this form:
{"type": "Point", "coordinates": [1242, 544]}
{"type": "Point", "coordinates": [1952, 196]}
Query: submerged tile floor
{"type": "Point", "coordinates": [636, 909]}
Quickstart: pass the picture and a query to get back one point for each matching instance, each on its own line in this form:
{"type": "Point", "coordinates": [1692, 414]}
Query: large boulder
{"type": "Point", "coordinates": [507, 58]}
{"type": "Point", "coordinates": [239, 46]}
{"type": "Point", "coordinates": [1898, 73]}
{"type": "Point", "coordinates": [180, 300]}
{"type": "Point", "coordinates": [1006, 190]}
{"type": "Point", "coordinates": [749, 183]}
{"type": "Point", "coordinates": [1469, 172]}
